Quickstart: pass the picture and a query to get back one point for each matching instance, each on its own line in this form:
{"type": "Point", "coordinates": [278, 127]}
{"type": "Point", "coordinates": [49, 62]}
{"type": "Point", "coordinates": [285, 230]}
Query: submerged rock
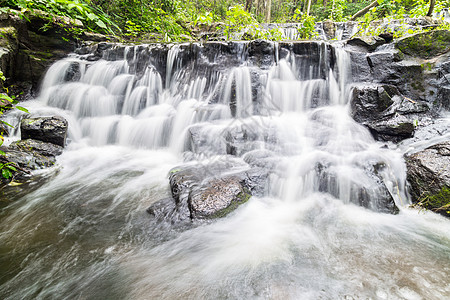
{"type": "Point", "coordinates": [428, 175]}
{"type": "Point", "coordinates": [367, 189]}
{"type": "Point", "coordinates": [46, 129]}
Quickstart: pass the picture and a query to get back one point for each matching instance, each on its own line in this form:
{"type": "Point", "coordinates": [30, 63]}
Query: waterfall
{"type": "Point", "coordinates": [316, 230]}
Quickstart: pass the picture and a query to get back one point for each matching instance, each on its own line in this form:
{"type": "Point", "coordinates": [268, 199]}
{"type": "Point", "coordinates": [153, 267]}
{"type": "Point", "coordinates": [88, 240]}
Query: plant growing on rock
{"type": "Point", "coordinates": [7, 102]}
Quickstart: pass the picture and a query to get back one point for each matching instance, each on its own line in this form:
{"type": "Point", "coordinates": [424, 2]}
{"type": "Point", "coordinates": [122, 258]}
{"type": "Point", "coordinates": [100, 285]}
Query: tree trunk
{"type": "Point", "coordinates": [268, 6]}
{"type": "Point", "coordinates": [309, 7]}
{"type": "Point", "coordinates": [248, 5]}
{"type": "Point", "coordinates": [364, 11]}
{"type": "Point", "coordinates": [430, 11]}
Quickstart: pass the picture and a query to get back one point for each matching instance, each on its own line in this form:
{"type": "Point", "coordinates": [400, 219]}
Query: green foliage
{"type": "Point", "coordinates": [306, 29]}
{"type": "Point", "coordinates": [337, 12]}
{"type": "Point", "coordinates": [439, 202]}
{"type": "Point", "coordinates": [7, 102]}
{"type": "Point", "coordinates": [93, 18]}
{"type": "Point", "coordinates": [237, 19]}
{"type": "Point", "coordinates": [7, 169]}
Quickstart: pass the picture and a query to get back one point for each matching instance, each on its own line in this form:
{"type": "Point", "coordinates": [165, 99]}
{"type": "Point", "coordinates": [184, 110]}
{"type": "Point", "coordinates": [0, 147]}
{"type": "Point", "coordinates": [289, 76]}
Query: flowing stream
{"type": "Point", "coordinates": [140, 111]}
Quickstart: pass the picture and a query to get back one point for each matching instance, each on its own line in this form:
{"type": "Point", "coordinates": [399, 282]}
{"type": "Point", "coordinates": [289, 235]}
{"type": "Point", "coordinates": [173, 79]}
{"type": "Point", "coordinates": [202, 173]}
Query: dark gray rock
{"type": "Point", "coordinates": [46, 129]}
{"type": "Point", "coordinates": [38, 147]}
{"type": "Point", "coordinates": [26, 160]}
{"type": "Point", "coordinates": [261, 53]}
{"type": "Point", "coordinates": [370, 43]}
{"type": "Point", "coordinates": [374, 196]}
{"type": "Point", "coordinates": [388, 115]}
{"type": "Point", "coordinates": [428, 175]}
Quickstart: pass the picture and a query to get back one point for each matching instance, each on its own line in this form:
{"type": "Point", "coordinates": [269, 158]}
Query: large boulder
{"type": "Point", "coordinates": [208, 191]}
{"type": "Point", "coordinates": [428, 175]}
{"type": "Point", "coordinates": [388, 115]}
{"type": "Point", "coordinates": [47, 129]}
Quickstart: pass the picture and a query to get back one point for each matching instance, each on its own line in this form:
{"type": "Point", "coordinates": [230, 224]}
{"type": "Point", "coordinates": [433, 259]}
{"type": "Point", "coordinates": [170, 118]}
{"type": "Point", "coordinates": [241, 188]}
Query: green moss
{"type": "Point", "coordinates": [439, 202]}
{"type": "Point", "coordinates": [243, 197]}
{"type": "Point", "coordinates": [38, 55]}
{"type": "Point", "coordinates": [426, 44]}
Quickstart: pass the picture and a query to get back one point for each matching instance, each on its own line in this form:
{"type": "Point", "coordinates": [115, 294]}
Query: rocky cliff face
{"type": "Point", "coordinates": [28, 46]}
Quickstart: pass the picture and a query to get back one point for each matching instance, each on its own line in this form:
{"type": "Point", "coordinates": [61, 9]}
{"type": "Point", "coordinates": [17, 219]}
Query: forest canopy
{"type": "Point", "coordinates": [169, 20]}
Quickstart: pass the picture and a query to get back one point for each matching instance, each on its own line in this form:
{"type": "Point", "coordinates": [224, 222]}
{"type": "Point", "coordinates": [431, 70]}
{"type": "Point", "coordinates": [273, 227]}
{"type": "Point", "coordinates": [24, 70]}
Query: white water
{"type": "Point", "coordinates": [85, 234]}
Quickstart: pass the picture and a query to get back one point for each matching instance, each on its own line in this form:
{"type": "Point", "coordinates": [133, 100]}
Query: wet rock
{"type": "Point", "coordinates": [370, 43]}
{"type": "Point", "coordinates": [329, 28]}
{"type": "Point", "coordinates": [217, 197]}
{"type": "Point", "coordinates": [367, 189]}
{"type": "Point", "coordinates": [209, 191]}
{"type": "Point", "coordinates": [38, 147]}
{"type": "Point", "coordinates": [25, 161]}
{"type": "Point", "coordinates": [425, 44]}
{"type": "Point", "coordinates": [28, 155]}
{"type": "Point", "coordinates": [261, 53]}
{"type": "Point", "coordinates": [428, 175]}
{"type": "Point", "coordinates": [388, 115]}
{"type": "Point", "coordinates": [46, 129]}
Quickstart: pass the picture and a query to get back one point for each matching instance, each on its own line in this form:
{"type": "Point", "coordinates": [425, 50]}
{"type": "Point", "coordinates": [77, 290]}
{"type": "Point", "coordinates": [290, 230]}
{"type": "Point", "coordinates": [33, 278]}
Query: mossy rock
{"type": "Point", "coordinates": [425, 44]}
{"type": "Point", "coordinates": [439, 202]}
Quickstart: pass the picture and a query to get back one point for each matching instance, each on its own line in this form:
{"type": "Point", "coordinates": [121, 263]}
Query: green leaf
{"type": "Point", "coordinates": [12, 168]}
{"type": "Point", "coordinates": [7, 124]}
{"type": "Point", "coordinates": [6, 97]}
{"type": "Point", "coordinates": [6, 173]}
{"type": "Point", "coordinates": [22, 109]}
{"type": "Point", "coordinates": [100, 24]}
{"type": "Point", "coordinates": [92, 17]}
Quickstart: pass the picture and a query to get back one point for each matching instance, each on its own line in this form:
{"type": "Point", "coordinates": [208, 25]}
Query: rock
{"type": "Point", "coordinates": [428, 175]}
{"type": "Point", "coordinates": [36, 146]}
{"type": "Point", "coordinates": [26, 160]}
{"type": "Point", "coordinates": [28, 155]}
{"type": "Point", "coordinates": [373, 194]}
{"type": "Point", "coordinates": [370, 43]}
{"type": "Point", "coordinates": [388, 115]}
{"type": "Point", "coordinates": [46, 129]}
{"type": "Point", "coordinates": [425, 44]}
{"type": "Point", "coordinates": [209, 191]}
{"type": "Point", "coordinates": [394, 129]}
{"type": "Point", "coordinates": [261, 53]}
{"type": "Point", "coordinates": [217, 197]}
{"type": "Point", "coordinates": [387, 36]}
{"type": "Point", "coordinates": [329, 28]}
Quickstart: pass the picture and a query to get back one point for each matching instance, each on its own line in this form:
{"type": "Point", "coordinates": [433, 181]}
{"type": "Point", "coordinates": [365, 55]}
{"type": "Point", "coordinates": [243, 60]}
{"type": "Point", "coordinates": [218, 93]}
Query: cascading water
{"type": "Point", "coordinates": [138, 112]}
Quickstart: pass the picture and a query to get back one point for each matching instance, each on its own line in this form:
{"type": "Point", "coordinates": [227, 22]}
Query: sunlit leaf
{"type": "Point", "coordinates": [22, 108]}
{"type": "Point", "coordinates": [100, 24]}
